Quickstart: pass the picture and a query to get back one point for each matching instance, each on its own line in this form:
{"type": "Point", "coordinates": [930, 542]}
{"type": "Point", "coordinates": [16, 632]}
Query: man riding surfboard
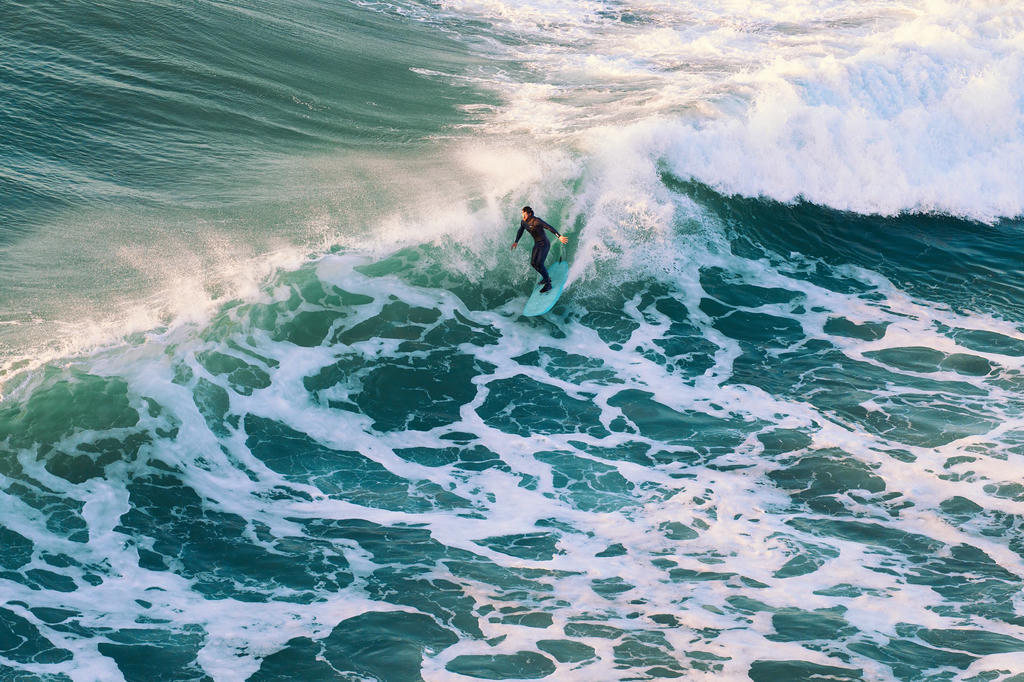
{"type": "Point", "coordinates": [535, 226]}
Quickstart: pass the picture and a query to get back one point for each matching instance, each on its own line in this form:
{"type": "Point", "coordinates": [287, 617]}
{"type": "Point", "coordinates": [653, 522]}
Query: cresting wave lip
{"type": "Point", "coordinates": [914, 107]}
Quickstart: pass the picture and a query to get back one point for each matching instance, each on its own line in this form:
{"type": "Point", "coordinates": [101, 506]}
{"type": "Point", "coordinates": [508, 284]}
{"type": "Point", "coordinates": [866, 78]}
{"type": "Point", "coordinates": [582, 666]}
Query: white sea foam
{"type": "Point", "coordinates": [874, 107]}
{"type": "Point", "coordinates": [742, 520]}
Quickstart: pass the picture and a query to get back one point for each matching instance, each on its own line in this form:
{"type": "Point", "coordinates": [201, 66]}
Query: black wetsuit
{"type": "Point", "coordinates": [535, 226]}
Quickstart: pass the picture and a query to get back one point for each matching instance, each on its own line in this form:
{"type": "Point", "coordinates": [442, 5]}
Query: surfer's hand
{"type": "Point", "coordinates": [562, 238]}
{"type": "Point", "coordinates": [515, 244]}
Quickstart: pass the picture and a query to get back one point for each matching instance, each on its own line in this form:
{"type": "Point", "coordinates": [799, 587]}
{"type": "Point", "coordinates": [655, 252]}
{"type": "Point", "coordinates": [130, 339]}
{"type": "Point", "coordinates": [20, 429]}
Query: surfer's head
{"type": "Point", "coordinates": [527, 212]}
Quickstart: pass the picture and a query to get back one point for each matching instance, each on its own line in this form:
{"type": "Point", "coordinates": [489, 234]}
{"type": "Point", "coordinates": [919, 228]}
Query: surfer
{"type": "Point", "coordinates": [535, 226]}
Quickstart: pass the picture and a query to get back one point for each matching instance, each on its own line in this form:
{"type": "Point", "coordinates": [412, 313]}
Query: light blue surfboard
{"type": "Point", "coordinates": [541, 303]}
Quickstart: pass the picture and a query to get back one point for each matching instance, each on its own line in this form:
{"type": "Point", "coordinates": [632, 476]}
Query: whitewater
{"type": "Point", "coordinates": [269, 410]}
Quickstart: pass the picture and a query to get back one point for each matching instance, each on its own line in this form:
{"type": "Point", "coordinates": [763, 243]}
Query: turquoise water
{"type": "Point", "coordinates": [270, 412]}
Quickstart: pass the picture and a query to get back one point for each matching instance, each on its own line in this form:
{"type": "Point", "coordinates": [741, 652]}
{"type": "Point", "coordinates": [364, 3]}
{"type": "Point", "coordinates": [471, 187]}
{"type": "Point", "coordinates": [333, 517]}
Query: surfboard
{"type": "Point", "coordinates": [539, 303]}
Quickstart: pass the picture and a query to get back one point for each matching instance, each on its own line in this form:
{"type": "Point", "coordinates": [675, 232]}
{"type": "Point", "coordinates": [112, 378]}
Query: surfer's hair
{"type": "Point", "coordinates": [528, 210]}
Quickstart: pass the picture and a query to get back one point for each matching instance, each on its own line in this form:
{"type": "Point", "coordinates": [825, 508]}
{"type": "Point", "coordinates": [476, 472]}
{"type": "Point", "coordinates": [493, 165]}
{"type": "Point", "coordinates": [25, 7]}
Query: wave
{"type": "Point", "coordinates": [888, 110]}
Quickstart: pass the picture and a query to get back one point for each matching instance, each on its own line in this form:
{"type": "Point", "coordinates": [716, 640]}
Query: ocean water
{"type": "Point", "coordinates": [270, 412]}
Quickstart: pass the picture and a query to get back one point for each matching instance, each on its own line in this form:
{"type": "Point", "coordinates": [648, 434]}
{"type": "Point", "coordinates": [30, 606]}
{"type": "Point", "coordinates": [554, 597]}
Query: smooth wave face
{"type": "Point", "coordinates": [270, 411]}
{"type": "Point", "coordinates": [151, 148]}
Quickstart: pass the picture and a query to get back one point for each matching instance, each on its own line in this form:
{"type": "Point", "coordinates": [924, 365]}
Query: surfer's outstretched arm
{"type": "Point", "coordinates": [562, 238]}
